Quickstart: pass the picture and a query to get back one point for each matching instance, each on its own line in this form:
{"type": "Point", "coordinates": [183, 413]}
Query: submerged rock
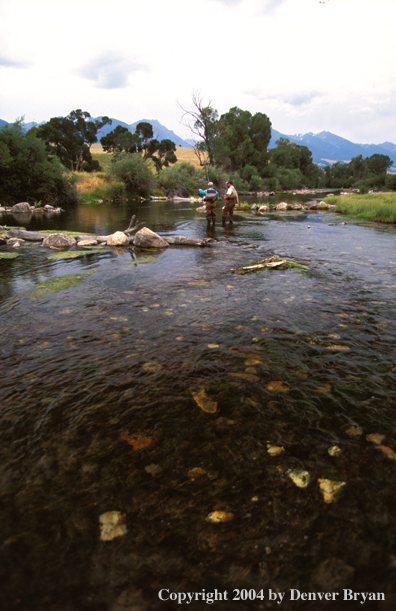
{"type": "Point", "coordinates": [275, 450]}
{"type": "Point", "coordinates": [330, 490]}
{"type": "Point", "coordinates": [375, 438]}
{"type": "Point", "coordinates": [205, 403]}
{"type": "Point", "coordinates": [300, 478]}
{"type": "Point", "coordinates": [335, 451]}
{"type": "Point", "coordinates": [112, 525]}
{"type": "Point", "coordinates": [220, 516]}
{"type": "Point", "coordinates": [387, 451]}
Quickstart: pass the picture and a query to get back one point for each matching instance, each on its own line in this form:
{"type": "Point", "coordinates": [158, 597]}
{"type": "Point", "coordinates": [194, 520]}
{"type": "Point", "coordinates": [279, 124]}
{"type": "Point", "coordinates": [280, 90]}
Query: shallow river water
{"type": "Point", "coordinates": [103, 382]}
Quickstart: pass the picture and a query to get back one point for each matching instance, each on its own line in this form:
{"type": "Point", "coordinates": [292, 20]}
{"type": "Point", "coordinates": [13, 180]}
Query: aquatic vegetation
{"type": "Point", "coordinates": [54, 285]}
{"type": "Point", "coordinates": [73, 254]}
{"type": "Point", "coordinates": [8, 255]}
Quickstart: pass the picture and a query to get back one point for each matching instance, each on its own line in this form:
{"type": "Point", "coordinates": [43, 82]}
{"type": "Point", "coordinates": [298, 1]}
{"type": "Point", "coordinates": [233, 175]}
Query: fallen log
{"type": "Point", "coordinates": [30, 236]}
{"type": "Point", "coordinates": [183, 241]}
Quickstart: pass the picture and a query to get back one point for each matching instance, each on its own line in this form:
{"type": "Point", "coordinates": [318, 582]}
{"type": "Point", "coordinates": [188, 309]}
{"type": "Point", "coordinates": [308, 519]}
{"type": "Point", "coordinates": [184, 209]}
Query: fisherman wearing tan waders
{"type": "Point", "coordinates": [230, 198]}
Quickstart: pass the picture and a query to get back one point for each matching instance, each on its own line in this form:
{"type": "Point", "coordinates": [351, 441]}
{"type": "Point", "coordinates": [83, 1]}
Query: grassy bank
{"type": "Point", "coordinates": [380, 207]}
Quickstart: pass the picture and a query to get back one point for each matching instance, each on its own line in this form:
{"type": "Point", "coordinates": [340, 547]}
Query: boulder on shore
{"type": "Point", "coordinates": [21, 208]}
{"type": "Point", "coordinates": [145, 238]}
{"type": "Point", "coordinates": [118, 239]}
{"type": "Point", "coordinates": [59, 240]}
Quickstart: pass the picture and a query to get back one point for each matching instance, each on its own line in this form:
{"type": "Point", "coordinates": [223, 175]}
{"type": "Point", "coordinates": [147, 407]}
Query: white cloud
{"type": "Point", "coordinates": [111, 70]}
{"type": "Point", "coordinates": [308, 66]}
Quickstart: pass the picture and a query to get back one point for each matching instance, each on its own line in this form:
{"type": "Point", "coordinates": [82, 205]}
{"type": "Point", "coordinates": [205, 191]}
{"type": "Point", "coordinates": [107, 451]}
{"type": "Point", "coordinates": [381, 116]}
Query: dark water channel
{"type": "Point", "coordinates": [99, 413]}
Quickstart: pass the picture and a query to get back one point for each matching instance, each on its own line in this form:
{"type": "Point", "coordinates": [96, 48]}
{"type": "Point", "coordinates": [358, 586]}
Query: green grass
{"type": "Point", "coordinates": [379, 207]}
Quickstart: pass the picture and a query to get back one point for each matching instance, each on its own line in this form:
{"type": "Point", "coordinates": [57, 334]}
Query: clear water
{"type": "Point", "coordinates": [123, 353]}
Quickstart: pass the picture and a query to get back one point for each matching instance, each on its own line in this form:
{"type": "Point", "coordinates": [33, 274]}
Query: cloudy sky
{"type": "Point", "coordinates": [309, 65]}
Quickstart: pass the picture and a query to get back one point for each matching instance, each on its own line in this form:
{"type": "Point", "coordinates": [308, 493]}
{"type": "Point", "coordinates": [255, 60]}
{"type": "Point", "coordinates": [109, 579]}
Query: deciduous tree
{"type": "Point", "coordinates": [70, 138]}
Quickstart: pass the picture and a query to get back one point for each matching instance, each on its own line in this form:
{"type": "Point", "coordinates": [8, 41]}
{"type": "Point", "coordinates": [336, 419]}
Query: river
{"type": "Point", "coordinates": [102, 384]}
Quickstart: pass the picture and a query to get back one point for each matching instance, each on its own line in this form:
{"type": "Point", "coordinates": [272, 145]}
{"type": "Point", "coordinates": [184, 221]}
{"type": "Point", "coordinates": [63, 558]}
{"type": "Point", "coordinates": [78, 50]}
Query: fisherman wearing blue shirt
{"type": "Point", "coordinates": [210, 198]}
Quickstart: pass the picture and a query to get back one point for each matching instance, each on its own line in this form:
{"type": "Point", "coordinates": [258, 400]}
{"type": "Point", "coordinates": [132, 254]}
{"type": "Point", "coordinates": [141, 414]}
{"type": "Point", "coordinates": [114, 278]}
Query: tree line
{"type": "Point", "coordinates": [39, 165]}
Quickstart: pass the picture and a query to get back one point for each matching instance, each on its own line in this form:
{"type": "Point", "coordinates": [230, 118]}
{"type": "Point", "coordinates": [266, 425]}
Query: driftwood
{"type": "Point", "coordinates": [183, 241]}
{"type": "Point", "coordinates": [132, 226]}
{"type": "Point", "coordinates": [30, 236]}
{"type": "Point", "coordinates": [269, 263]}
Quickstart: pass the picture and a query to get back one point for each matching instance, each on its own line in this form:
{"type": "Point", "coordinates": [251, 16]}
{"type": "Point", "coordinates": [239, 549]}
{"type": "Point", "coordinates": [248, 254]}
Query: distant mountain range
{"type": "Point", "coordinates": [326, 147]}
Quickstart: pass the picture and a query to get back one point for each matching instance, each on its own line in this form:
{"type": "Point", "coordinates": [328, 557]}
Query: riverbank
{"type": "Point", "coordinates": [379, 207]}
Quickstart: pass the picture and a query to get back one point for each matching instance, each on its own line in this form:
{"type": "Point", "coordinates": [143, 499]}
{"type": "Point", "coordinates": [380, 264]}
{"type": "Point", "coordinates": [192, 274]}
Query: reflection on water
{"type": "Point", "coordinates": [100, 413]}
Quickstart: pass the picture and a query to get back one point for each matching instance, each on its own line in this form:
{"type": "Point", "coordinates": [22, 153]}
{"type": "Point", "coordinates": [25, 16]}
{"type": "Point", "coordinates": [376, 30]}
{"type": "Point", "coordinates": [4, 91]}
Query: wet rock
{"type": "Point", "coordinates": [335, 451]}
{"type": "Point", "coordinates": [330, 490]}
{"type": "Point", "coordinates": [118, 239]}
{"type": "Point", "coordinates": [263, 209]}
{"type": "Point", "coordinates": [300, 478]}
{"type": "Point", "coordinates": [332, 575]}
{"type": "Point", "coordinates": [220, 516]}
{"type": "Point", "coordinates": [323, 206]}
{"type": "Point", "coordinates": [14, 242]}
{"type": "Point", "coordinates": [283, 206]}
{"type": "Point", "coordinates": [112, 525]}
{"type": "Point", "coordinates": [253, 207]}
{"type": "Point", "coordinates": [59, 240]}
{"type": "Point", "coordinates": [312, 204]}
{"type": "Point", "coordinates": [297, 207]}
{"type": "Point", "coordinates": [145, 238]}
{"type": "Point", "coordinates": [204, 402]}
{"type": "Point", "coordinates": [21, 208]}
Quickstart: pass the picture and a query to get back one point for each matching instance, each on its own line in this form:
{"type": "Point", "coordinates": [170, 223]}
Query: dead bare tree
{"type": "Point", "coordinates": [201, 120]}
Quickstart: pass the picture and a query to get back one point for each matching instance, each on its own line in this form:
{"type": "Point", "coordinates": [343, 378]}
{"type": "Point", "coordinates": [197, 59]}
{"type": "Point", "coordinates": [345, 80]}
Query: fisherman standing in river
{"type": "Point", "coordinates": [210, 198]}
{"type": "Point", "coordinates": [230, 198]}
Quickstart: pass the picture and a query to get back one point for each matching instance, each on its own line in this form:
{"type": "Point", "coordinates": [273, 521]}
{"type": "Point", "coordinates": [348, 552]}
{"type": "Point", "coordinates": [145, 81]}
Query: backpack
{"type": "Point", "coordinates": [211, 195]}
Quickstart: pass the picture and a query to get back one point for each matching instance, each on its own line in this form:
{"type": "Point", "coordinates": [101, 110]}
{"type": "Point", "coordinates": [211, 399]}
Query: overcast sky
{"type": "Point", "coordinates": [309, 65]}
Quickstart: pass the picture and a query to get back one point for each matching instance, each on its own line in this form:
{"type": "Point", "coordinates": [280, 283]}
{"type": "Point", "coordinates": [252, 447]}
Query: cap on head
{"type": "Point", "coordinates": [210, 184]}
{"type": "Point", "coordinates": [229, 182]}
